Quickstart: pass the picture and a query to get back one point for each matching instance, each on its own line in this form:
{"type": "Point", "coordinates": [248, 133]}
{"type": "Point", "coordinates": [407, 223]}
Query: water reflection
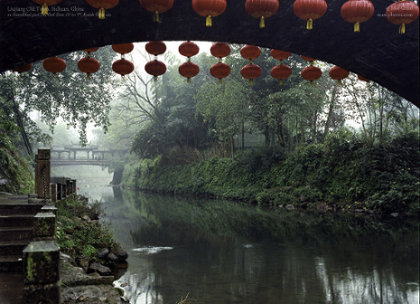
{"type": "Point", "coordinates": [223, 252]}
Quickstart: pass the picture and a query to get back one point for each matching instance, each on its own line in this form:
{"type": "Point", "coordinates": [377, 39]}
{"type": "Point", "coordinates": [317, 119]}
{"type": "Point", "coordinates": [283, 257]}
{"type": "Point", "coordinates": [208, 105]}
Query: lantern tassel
{"type": "Point", "coordinates": [220, 59]}
{"type": "Point", "coordinates": [311, 83]}
{"type": "Point", "coordinates": [88, 76]}
{"type": "Point", "coordinates": [251, 82]}
{"type": "Point", "coordinates": [209, 22]}
{"type": "Point", "coordinates": [357, 27]}
{"type": "Point", "coordinates": [156, 17]}
{"type": "Point", "coordinates": [339, 82]}
{"type": "Point", "coordinates": [101, 14]}
{"type": "Point", "coordinates": [220, 81]}
{"type": "Point", "coordinates": [402, 29]}
{"type": "Point", "coordinates": [309, 24]}
{"type": "Point", "coordinates": [281, 81]}
{"type": "Point", "coordinates": [262, 22]}
{"type": "Point", "coordinates": [155, 78]}
{"type": "Point", "coordinates": [188, 80]}
{"type": "Point", "coordinates": [44, 9]}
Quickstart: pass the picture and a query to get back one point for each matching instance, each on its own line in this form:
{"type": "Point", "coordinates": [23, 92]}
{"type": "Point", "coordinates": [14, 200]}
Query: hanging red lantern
{"type": "Point", "coordinates": [362, 78]}
{"type": "Point", "coordinates": [45, 4]}
{"type": "Point", "coordinates": [250, 52]}
{"type": "Point", "coordinates": [155, 47]}
{"type": "Point", "coordinates": [157, 7]}
{"type": "Point", "coordinates": [357, 11]}
{"type": "Point", "coordinates": [209, 9]}
{"type": "Point", "coordinates": [309, 59]}
{"type": "Point", "coordinates": [251, 72]}
{"type": "Point", "coordinates": [23, 68]}
{"type": "Point", "coordinates": [123, 67]}
{"type": "Point", "coordinates": [280, 55]}
{"type": "Point", "coordinates": [220, 70]}
{"type": "Point", "coordinates": [402, 13]}
{"type": "Point", "coordinates": [309, 10]}
{"type": "Point", "coordinates": [123, 48]}
{"type": "Point", "coordinates": [261, 9]}
{"type": "Point", "coordinates": [155, 68]}
{"type": "Point", "coordinates": [88, 65]}
{"type": "Point", "coordinates": [281, 72]}
{"type": "Point", "coordinates": [188, 70]}
{"type": "Point", "coordinates": [220, 50]}
{"type": "Point", "coordinates": [188, 49]}
{"type": "Point", "coordinates": [54, 65]}
{"type": "Point", "coordinates": [311, 73]}
{"type": "Point", "coordinates": [338, 73]}
{"type": "Point", "coordinates": [102, 5]}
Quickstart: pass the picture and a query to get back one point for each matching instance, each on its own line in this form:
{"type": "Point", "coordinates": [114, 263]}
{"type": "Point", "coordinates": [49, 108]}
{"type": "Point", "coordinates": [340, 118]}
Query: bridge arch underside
{"type": "Point", "coordinates": [378, 52]}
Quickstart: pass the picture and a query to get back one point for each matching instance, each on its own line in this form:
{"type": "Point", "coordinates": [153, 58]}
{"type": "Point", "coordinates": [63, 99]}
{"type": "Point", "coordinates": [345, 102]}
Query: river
{"type": "Point", "coordinates": [214, 251]}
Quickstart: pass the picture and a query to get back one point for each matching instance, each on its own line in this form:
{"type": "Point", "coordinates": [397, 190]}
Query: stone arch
{"type": "Point", "coordinates": [378, 52]}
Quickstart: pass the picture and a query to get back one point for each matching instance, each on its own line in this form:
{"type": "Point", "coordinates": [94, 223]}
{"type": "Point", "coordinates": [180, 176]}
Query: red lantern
{"type": "Point", "coordinates": [309, 59]}
{"type": "Point", "coordinates": [280, 55]}
{"type": "Point", "coordinates": [23, 68]}
{"type": "Point", "coordinates": [311, 73]}
{"type": "Point", "coordinates": [123, 67]}
{"type": "Point", "coordinates": [188, 70]}
{"type": "Point", "coordinates": [155, 47]}
{"type": "Point", "coordinates": [261, 9]}
{"type": "Point", "coordinates": [220, 70]}
{"type": "Point", "coordinates": [155, 68]}
{"type": "Point", "coordinates": [250, 52]}
{"type": "Point", "coordinates": [363, 78]}
{"type": "Point", "coordinates": [220, 50]}
{"type": "Point", "coordinates": [281, 72]}
{"type": "Point", "coordinates": [357, 11]}
{"type": "Point", "coordinates": [88, 65]}
{"type": "Point", "coordinates": [251, 72]}
{"type": "Point", "coordinates": [309, 10]}
{"type": "Point", "coordinates": [45, 4]}
{"type": "Point", "coordinates": [188, 49]}
{"type": "Point", "coordinates": [123, 48]}
{"type": "Point", "coordinates": [157, 7]}
{"type": "Point", "coordinates": [402, 13]}
{"type": "Point", "coordinates": [54, 65]}
{"type": "Point", "coordinates": [338, 73]}
{"type": "Point", "coordinates": [102, 5]}
{"type": "Point", "coordinates": [209, 8]}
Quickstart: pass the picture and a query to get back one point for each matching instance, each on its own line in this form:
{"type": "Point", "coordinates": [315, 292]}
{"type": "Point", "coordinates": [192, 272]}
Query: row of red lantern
{"type": "Point", "coordinates": [353, 11]}
{"type": "Point", "coordinates": [220, 70]}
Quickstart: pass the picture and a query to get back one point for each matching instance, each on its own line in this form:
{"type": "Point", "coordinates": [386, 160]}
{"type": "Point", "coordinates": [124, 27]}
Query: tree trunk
{"type": "Point", "coordinates": [267, 138]}
{"type": "Point", "coordinates": [243, 134]}
{"type": "Point", "coordinates": [330, 113]}
{"type": "Point", "coordinates": [21, 126]}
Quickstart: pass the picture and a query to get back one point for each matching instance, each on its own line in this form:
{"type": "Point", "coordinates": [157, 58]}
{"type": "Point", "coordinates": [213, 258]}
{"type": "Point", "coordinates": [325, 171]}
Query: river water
{"type": "Point", "coordinates": [214, 251]}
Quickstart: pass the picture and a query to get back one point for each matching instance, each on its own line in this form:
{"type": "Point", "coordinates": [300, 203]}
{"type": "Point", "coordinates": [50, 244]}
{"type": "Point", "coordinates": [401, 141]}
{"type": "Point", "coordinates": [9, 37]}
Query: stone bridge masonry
{"type": "Point", "coordinates": [378, 52]}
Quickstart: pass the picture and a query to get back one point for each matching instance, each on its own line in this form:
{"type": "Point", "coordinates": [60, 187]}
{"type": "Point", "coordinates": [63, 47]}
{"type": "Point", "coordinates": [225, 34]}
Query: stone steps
{"type": "Point", "coordinates": [16, 225]}
{"type": "Point", "coordinates": [19, 208]}
{"type": "Point", "coordinates": [17, 220]}
{"type": "Point", "coordinates": [11, 263]}
{"type": "Point", "coordinates": [12, 247]}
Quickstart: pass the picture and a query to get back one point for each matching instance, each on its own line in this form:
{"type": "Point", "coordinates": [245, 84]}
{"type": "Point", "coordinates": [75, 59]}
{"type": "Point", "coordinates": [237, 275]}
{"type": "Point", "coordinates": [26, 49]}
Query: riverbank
{"type": "Point", "coordinates": [338, 175]}
{"type": "Point", "coordinates": [91, 258]}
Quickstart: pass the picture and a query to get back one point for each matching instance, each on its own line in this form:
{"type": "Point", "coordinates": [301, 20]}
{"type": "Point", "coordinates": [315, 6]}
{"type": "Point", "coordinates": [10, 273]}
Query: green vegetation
{"type": "Point", "coordinates": [14, 168]}
{"type": "Point", "coordinates": [342, 173]}
{"type": "Point", "coordinates": [79, 232]}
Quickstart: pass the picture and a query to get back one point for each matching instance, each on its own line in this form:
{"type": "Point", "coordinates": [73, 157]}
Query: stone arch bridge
{"type": "Point", "coordinates": [88, 155]}
{"type": "Point", "coordinates": [378, 52]}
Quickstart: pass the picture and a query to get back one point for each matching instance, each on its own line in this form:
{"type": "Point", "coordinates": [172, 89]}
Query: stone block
{"type": "Point", "coordinates": [53, 192]}
{"type": "Point", "coordinates": [44, 154]}
{"type": "Point", "coordinates": [41, 263]}
{"type": "Point", "coordinates": [45, 294]}
{"type": "Point", "coordinates": [49, 209]}
{"type": "Point", "coordinates": [44, 225]}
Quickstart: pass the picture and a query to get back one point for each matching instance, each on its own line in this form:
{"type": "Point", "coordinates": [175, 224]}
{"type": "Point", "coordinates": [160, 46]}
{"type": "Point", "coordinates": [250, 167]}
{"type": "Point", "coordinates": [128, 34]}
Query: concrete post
{"type": "Point", "coordinates": [41, 272]}
{"type": "Point", "coordinates": [53, 192]}
{"type": "Point", "coordinates": [42, 174]}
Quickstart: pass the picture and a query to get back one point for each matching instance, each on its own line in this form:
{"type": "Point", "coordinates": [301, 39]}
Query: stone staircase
{"type": "Point", "coordinates": [16, 223]}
